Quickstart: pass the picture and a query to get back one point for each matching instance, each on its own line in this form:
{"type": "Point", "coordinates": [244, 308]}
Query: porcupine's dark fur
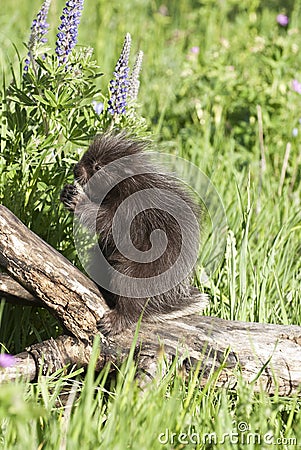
{"type": "Point", "coordinates": [104, 149]}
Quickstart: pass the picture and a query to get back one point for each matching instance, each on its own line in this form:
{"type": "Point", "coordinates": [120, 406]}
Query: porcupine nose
{"type": "Point", "coordinates": [79, 172]}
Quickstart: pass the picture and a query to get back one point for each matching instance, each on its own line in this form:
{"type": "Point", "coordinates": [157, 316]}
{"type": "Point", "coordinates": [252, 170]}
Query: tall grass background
{"type": "Point", "coordinates": [216, 89]}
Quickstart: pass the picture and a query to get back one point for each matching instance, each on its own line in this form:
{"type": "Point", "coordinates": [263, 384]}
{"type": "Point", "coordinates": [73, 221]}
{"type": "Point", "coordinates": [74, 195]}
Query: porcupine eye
{"type": "Point", "coordinates": [96, 167]}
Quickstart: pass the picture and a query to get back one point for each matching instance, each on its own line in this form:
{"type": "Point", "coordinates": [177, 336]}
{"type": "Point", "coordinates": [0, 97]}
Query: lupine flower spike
{"type": "Point", "coordinates": [119, 85]}
{"type": "Point", "coordinates": [68, 29]}
{"type": "Point", "coordinates": [134, 82]}
{"type": "Point", "coordinates": [38, 28]}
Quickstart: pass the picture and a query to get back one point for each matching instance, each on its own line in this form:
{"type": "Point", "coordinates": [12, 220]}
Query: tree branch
{"type": "Point", "coordinates": [48, 276]}
{"type": "Point", "coordinates": [14, 293]}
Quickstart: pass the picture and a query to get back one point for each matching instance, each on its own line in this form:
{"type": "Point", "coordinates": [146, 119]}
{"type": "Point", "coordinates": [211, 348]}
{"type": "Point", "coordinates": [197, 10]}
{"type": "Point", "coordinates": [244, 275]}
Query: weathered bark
{"type": "Point", "coordinates": [268, 355]}
{"type": "Point", "coordinates": [14, 293]}
{"type": "Point", "coordinates": [24, 367]}
{"type": "Point", "coordinates": [48, 276]}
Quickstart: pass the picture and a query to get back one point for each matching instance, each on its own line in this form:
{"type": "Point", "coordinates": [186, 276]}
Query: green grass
{"type": "Point", "coordinates": [208, 108]}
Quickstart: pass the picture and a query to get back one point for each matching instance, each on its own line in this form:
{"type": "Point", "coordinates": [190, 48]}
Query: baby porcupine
{"type": "Point", "coordinates": [161, 220]}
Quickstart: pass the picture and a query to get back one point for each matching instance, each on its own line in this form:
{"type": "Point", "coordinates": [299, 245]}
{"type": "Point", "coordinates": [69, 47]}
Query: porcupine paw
{"type": "Point", "coordinates": [70, 196]}
{"type": "Point", "coordinates": [111, 324]}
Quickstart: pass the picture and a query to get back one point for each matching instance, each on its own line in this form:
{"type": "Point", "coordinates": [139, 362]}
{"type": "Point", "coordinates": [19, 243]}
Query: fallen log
{"type": "Point", "coordinates": [267, 355]}
{"type": "Point", "coordinates": [50, 277]}
{"type": "Point", "coordinates": [14, 293]}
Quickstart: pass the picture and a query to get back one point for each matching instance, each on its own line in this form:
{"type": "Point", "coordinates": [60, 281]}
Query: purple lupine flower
{"type": "Point", "coordinates": [295, 132]}
{"type": "Point", "coordinates": [6, 360]}
{"type": "Point", "coordinates": [119, 85]}
{"type": "Point", "coordinates": [97, 106]}
{"type": "Point", "coordinates": [283, 20]}
{"type": "Point", "coordinates": [68, 29]}
{"type": "Point", "coordinates": [296, 86]}
{"type": "Point", "coordinates": [134, 82]}
{"type": "Point", "coordinates": [39, 28]}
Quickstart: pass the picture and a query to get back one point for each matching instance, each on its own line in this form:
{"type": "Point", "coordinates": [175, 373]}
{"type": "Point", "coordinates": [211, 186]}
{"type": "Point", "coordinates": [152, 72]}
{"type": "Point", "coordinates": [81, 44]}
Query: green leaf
{"type": "Point", "coordinates": [51, 98]}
